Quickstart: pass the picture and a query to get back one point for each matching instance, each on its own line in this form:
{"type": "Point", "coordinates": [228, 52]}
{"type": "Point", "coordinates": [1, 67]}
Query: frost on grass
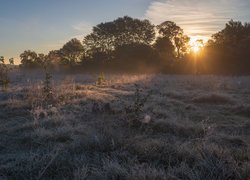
{"type": "Point", "coordinates": [168, 127]}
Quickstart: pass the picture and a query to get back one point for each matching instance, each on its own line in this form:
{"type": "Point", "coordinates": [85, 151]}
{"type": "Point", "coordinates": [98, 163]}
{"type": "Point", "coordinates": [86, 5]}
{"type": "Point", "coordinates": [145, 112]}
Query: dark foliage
{"type": "Point", "coordinates": [131, 45]}
{"type": "Point", "coordinates": [228, 51]}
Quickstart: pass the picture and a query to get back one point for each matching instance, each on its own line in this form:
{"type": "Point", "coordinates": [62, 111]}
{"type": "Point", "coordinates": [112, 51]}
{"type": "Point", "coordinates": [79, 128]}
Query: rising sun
{"type": "Point", "coordinates": [196, 45]}
{"type": "Point", "coordinates": [195, 48]}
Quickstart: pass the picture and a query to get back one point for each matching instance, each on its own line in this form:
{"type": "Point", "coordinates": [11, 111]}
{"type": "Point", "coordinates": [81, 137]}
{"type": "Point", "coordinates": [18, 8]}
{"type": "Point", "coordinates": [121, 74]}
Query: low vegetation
{"type": "Point", "coordinates": [130, 127]}
{"type": "Point", "coordinates": [4, 73]}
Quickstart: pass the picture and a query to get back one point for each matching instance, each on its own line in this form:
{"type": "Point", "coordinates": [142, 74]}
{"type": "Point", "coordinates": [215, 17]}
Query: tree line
{"type": "Point", "coordinates": [133, 45]}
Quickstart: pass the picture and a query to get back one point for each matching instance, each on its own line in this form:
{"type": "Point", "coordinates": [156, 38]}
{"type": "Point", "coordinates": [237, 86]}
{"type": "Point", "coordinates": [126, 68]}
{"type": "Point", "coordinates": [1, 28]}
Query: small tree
{"type": "Point", "coordinates": [136, 108]}
{"type": "Point", "coordinates": [100, 79]}
{"type": "Point", "coordinates": [1, 59]}
{"type": "Point", "coordinates": [4, 79]}
{"type": "Point", "coordinates": [47, 84]}
{"type": "Point", "coordinates": [11, 61]}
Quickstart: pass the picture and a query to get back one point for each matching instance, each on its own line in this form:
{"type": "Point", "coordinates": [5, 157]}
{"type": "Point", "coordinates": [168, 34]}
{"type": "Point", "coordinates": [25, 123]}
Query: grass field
{"type": "Point", "coordinates": [164, 127]}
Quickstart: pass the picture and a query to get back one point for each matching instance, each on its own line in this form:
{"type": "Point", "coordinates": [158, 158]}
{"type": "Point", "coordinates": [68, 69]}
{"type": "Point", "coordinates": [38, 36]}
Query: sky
{"type": "Point", "coordinates": [44, 25]}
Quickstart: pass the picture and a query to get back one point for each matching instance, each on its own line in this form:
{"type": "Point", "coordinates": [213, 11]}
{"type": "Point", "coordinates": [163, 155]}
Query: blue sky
{"type": "Point", "coordinates": [43, 25]}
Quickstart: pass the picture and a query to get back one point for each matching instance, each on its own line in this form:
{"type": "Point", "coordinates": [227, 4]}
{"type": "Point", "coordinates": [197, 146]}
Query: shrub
{"type": "Point", "coordinates": [47, 88]}
{"type": "Point", "coordinates": [135, 110]}
{"type": "Point", "coordinates": [4, 79]}
{"type": "Point", "coordinates": [101, 79]}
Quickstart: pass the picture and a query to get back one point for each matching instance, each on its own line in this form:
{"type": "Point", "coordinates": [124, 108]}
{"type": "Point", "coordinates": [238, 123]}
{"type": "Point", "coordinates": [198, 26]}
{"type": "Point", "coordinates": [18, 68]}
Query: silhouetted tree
{"type": "Point", "coordinates": [169, 29]}
{"type": "Point", "coordinates": [106, 37]}
{"type": "Point", "coordinates": [1, 59]}
{"type": "Point", "coordinates": [71, 52]}
{"type": "Point", "coordinates": [181, 44]}
{"type": "Point", "coordinates": [11, 61]}
{"type": "Point", "coordinates": [165, 49]}
{"type": "Point", "coordinates": [232, 34]}
{"type": "Point", "coordinates": [228, 50]}
{"type": "Point", "coordinates": [129, 31]}
{"type": "Point", "coordinates": [54, 57]}
{"type": "Point", "coordinates": [131, 43]}
{"type": "Point", "coordinates": [41, 59]}
{"type": "Point", "coordinates": [4, 79]}
{"type": "Point", "coordinates": [29, 59]}
{"type": "Point", "coordinates": [176, 35]}
{"type": "Point", "coordinates": [96, 45]}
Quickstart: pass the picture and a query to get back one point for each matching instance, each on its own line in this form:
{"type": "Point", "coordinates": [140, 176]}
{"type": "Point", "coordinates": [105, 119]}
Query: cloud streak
{"type": "Point", "coordinates": [83, 27]}
{"type": "Point", "coordinates": [198, 18]}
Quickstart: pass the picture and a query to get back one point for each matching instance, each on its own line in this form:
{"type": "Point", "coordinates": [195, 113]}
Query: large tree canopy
{"type": "Point", "coordinates": [72, 52]}
{"type": "Point", "coordinates": [234, 34]}
{"type": "Point", "coordinates": [165, 48]}
{"type": "Point", "coordinates": [106, 37]}
{"type": "Point", "coordinates": [175, 34]}
{"type": "Point", "coordinates": [228, 50]}
{"type": "Point", "coordinates": [32, 59]}
{"type": "Point", "coordinates": [29, 59]}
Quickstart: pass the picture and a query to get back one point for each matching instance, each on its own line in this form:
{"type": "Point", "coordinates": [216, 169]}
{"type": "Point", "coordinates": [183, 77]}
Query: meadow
{"type": "Point", "coordinates": [125, 126]}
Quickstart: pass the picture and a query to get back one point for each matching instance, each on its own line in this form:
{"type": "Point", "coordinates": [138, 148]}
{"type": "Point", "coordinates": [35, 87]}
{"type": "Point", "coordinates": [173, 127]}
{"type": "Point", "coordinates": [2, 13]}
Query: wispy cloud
{"type": "Point", "coordinates": [198, 18]}
{"type": "Point", "coordinates": [82, 27]}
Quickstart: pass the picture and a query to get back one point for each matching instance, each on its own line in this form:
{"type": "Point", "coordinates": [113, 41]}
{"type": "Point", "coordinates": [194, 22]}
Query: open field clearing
{"type": "Point", "coordinates": [125, 90]}
{"type": "Point", "coordinates": [125, 127]}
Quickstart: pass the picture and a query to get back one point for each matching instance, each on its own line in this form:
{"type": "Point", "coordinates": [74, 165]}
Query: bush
{"type": "Point", "coordinates": [135, 110]}
{"type": "Point", "coordinates": [4, 79]}
{"type": "Point", "coordinates": [101, 79]}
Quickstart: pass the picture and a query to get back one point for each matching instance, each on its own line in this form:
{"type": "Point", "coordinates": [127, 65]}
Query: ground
{"type": "Point", "coordinates": [125, 127]}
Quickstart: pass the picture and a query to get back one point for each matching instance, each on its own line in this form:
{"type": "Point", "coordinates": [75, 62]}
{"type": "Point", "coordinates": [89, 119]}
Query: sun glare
{"type": "Point", "coordinates": [195, 48]}
{"type": "Point", "coordinates": [196, 45]}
